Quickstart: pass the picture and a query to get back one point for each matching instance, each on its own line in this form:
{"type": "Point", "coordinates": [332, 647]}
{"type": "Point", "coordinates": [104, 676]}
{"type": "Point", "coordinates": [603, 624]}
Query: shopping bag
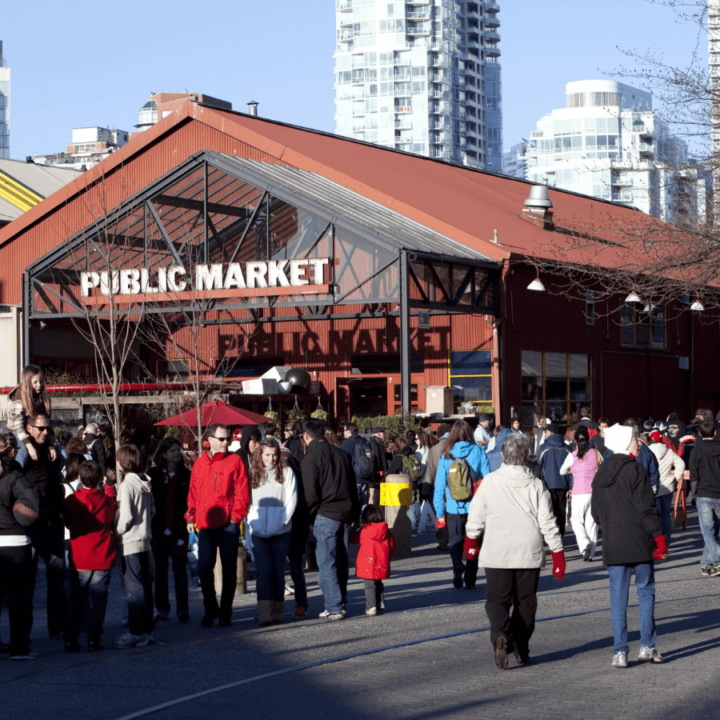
{"type": "Point", "coordinates": [427, 518]}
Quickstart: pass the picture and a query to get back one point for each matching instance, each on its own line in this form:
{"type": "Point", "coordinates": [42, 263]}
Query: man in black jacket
{"type": "Point", "coordinates": [705, 475]}
{"type": "Point", "coordinates": [47, 533]}
{"type": "Point", "coordinates": [331, 494]}
{"type": "Point", "coordinates": [19, 506]}
{"type": "Point", "coordinates": [623, 505]}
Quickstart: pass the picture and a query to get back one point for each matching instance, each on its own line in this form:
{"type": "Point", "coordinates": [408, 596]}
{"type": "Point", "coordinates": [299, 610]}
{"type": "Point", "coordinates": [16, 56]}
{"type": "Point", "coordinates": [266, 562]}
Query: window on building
{"type": "Point", "coordinates": [589, 309]}
{"type": "Point", "coordinates": [470, 375]}
{"type": "Point", "coordinates": [642, 326]}
{"type": "Point", "coordinates": [555, 385]}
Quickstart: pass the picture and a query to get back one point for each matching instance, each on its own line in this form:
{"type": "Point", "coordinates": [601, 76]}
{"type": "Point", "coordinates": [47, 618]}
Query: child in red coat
{"type": "Point", "coordinates": [377, 546]}
{"type": "Point", "coordinates": [89, 515]}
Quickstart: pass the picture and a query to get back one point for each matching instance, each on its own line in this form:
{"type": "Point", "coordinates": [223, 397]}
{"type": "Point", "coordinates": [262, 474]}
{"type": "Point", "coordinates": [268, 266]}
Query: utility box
{"type": "Point", "coordinates": [439, 399]}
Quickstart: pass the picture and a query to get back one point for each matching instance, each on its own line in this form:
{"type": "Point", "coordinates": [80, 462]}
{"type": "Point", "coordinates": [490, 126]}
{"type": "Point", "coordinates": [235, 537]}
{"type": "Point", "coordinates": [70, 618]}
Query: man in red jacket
{"type": "Point", "coordinates": [217, 503]}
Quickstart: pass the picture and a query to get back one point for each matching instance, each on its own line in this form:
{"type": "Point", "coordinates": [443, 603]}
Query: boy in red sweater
{"type": "Point", "coordinates": [89, 515]}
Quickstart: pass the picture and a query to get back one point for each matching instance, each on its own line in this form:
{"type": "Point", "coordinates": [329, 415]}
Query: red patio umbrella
{"type": "Point", "coordinates": [217, 411]}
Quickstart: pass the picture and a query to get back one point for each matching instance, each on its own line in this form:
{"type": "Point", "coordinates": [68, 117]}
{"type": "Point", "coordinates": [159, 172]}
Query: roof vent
{"type": "Point", "coordinates": [538, 208]}
{"type": "Point", "coordinates": [252, 107]}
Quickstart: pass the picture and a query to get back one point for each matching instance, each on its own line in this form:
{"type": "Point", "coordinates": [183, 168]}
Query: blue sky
{"type": "Point", "coordinates": [78, 64]}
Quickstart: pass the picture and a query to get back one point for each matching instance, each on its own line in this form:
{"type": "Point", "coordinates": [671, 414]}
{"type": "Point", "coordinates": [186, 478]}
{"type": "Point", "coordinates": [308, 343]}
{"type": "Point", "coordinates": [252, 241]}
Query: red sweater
{"type": "Point", "coordinates": [90, 515]}
{"type": "Point", "coordinates": [219, 491]}
{"type": "Point", "coordinates": [377, 546]}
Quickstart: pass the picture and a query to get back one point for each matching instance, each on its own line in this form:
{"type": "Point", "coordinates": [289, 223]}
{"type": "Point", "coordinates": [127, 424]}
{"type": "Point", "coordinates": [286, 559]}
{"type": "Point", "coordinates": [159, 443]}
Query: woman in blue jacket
{"type": "Point", "coordinates": [454, 513]}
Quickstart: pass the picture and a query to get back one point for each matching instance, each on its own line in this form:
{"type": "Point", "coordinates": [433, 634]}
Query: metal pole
{"type": "Point", "coordinates": [404, 333]}
{"type": "Point", "coordinates": [25, 350]}
{"type": "Point", "coordinates": [205, 210]}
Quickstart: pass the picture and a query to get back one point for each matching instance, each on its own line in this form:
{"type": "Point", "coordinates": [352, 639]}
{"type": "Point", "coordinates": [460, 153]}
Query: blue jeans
{"type": "Point", "coordinates": [332, 559]}
{"type": "Point", "coordinates": [269, 554]}
{"type": "Point", "coordinates": [227, 540]}
{"type": "Point", "coordinates": [664, 506]}
{"type": "Point", "coordinates": [709, 515]}
{"type": "Point", "coordinates": [138, 585]}
{"type": "Point", "coordinates": [91, 587]}
{"type": "Point", "coordinates": [619, 590]}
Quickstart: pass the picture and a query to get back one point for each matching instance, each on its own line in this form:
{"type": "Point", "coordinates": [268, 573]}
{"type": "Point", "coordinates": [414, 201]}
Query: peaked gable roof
{"type": "Point", "coordinates": [464, 204]}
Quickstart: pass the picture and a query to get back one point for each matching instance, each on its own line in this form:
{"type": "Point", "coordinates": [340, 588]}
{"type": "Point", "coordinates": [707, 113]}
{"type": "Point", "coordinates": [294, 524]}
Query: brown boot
{"type": "Point", "coordinates": [264, 611]}
{"type": "Point", "coordinates": [278, 612]}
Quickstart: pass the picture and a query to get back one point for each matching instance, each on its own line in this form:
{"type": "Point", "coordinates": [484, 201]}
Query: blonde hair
{"type": "Point", "coordinates": [34, 404]}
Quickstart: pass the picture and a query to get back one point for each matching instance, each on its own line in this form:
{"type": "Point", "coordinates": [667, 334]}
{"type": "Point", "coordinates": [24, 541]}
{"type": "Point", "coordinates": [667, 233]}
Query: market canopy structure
{"type": "Point", "coordinates": [216, 411]}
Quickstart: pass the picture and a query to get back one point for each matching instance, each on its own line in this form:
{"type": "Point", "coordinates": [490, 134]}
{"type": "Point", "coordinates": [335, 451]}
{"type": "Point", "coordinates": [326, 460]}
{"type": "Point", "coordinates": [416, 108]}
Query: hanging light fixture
{"type": "Point", "coordinates": [536, 285]}
{"type": "Point", "coordinates": [697, 306]}
{"type": "Point", "coordinates": [648, 308]}
{"type": "Point", "coordinates": [633, 297]}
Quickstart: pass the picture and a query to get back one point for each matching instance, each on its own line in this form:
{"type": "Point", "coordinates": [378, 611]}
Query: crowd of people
{"type": "Point", "coordinates": [499, 496]}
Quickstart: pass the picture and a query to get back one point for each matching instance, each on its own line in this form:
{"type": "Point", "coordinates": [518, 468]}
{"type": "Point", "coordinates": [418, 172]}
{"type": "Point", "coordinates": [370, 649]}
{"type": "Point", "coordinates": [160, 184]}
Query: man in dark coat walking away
{"type": "Point", "coordinates": [333, 505]}
{"type": "Point", "coordinates": [623, 505]}
{"type": "Point", "coordinates": [705, 475]}
{"type": "Point", "coordinates": [427, 488]}
{"type": "Point", "coordinates": [553, 453]}
{"type": "Point", "coordinates": [377, 441]}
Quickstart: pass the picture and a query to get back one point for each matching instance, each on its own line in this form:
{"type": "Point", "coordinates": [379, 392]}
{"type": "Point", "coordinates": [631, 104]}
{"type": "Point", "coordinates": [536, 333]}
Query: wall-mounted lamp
{"type": "Point", "coordinates": [633, 297]}
{"type": "Point", "coordinates": [697, 306]}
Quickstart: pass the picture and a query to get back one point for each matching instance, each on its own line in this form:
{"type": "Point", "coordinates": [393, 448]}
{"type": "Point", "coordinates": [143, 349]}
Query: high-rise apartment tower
{"type": "Point", "coordinates": [421, 76]}
{"type": "Point", "coordinates": [4, 106]}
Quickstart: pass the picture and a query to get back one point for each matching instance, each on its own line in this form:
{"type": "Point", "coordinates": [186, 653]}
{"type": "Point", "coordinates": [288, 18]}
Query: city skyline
{"type": "Point", "coordinates": [292, 81]}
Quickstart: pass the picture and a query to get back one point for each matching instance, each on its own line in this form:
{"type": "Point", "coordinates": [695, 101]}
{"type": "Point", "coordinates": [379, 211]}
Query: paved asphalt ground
{"type": "Point", "coordinates": [427, 676]}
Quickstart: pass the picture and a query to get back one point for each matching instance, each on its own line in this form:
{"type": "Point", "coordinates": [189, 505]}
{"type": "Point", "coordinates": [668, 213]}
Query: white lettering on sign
{"type": "Point", "coordinates": [257, 274]}
{"type": "Point", "coordinates": [175, 285]}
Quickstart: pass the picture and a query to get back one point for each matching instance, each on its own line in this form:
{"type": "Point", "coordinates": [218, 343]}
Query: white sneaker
{"type": "Point", "coordinates": [26, 656]}
{"type": "Point", "coordinates": [128, 640]}
{"type": "Point", "coordinates": [620, 660]}
{"type": "Point", "coordinates": [327, 615]}
{"type": "Point", "coordinates": [650, 654]}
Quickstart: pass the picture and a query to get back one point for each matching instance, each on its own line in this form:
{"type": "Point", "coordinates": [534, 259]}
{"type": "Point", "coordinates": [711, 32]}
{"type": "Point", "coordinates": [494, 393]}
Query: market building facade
{"type": "Point", "coordinates": [387, 276]}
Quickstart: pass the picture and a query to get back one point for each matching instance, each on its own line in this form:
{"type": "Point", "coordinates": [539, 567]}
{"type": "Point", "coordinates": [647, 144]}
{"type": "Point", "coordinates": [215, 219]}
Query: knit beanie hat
{"type": "Point", "coordinates": [618, 438]}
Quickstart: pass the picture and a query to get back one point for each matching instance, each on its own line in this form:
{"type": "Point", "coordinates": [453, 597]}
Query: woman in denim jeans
{"type": "Point", "coordinates": [623, 505]}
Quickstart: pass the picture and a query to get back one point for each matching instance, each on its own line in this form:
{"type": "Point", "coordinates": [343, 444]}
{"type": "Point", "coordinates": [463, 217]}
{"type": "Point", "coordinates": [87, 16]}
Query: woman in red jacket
{"type": "Point", "coordinates": [377, 546]}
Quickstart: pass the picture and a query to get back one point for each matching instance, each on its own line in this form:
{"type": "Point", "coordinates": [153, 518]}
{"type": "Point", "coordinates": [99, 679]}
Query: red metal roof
{"type": "Point", "coordinates": [464, 204]}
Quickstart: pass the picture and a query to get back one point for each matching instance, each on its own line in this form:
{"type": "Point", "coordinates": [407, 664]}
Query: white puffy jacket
{"type": "Point", "coordinates": [670, 465]}
{"type": "Point", "coordinates": [272, 505]}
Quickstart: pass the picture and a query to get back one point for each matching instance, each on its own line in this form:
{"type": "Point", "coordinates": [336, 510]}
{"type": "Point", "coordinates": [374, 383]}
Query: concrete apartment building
{"type": "Point", "coordinates": [608, 143]}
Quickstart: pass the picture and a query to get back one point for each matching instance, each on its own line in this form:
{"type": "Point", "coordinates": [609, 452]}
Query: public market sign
{"type": "Point", "coordinates": [265, 277]}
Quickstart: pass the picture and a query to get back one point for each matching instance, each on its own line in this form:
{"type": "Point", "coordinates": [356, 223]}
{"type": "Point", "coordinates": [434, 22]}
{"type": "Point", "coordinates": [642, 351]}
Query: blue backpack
{"type": "Point", "coordinates": [363, 460]}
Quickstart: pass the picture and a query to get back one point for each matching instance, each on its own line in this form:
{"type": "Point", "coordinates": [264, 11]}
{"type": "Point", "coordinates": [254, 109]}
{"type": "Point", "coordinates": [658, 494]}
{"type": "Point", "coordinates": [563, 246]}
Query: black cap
{"type": "Point", "coordinates": [554, 428]}
{"type": "Point", "coordinates": [378, 428]}
{"type": "Point", "coordinates": [484, 416]}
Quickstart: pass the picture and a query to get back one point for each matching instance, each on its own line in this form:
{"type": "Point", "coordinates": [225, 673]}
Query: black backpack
{"type": "Point", "coordinates": [363, 460]}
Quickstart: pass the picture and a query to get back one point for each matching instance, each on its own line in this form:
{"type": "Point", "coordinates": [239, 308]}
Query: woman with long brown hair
{"type": "Point", "coordinates": [170, 482]}
{"type": "Point", "coordinates": [273, 498]}
{"type": "Point", "coordinates": [25, 403]}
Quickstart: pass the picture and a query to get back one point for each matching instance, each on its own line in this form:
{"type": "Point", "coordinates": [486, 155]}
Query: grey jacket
{"type": "Point", "coordinates": [514, 510]}
{"type": "Point", "coordinates": [135, 509]}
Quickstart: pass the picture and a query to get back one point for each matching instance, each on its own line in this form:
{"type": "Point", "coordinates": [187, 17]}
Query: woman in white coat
{"type": "Point", "coordinates": [273, 497]}
{"type": "Point", "coordinates": [512, 510]}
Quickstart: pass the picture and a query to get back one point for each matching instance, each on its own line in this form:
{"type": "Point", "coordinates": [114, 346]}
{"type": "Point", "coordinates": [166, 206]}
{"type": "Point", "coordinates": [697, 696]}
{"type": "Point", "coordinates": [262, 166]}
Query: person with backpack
{"type": "Point", "coordinates": [461, 468]}
{"type": "Point", "coordinates": [361, 455]}
{"type": "Point", "coordinates": [406, 462]}
{"type": "Point", "coordinates": [583, 463]}
{"type": "Point", "coordinates": [553, 454]}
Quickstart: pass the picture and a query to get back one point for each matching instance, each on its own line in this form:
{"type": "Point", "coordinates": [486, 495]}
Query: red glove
{"type": "Point", "coordinates": [558, 559]}
{"type": "Point", "coordinates": [662, 549]}
{"type": "Point", "coordinates": [440, 523]}
{"type": "Point", "coordinates": [471, 548]}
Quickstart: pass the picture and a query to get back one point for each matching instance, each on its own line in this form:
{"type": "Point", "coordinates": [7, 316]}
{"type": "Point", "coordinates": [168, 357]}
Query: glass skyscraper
{"type": "Point", "coordinates": [4, 107]}
{"type": "Point", "coordinates": [421, 76]}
